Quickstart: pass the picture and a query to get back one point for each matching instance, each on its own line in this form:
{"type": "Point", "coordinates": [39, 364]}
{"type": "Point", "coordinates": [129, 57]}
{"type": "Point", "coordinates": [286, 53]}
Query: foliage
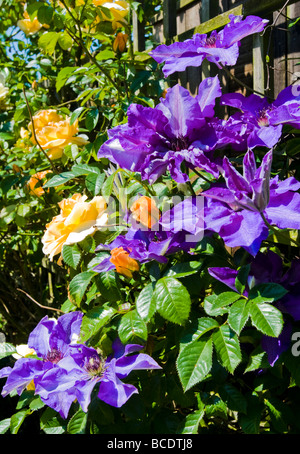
{"type": "Point", "coordinates": [207, 337]}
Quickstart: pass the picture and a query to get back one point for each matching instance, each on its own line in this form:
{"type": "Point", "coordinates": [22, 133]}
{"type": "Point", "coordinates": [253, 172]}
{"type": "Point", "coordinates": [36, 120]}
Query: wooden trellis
{"type": "Point", "coordinates": [181, 19]}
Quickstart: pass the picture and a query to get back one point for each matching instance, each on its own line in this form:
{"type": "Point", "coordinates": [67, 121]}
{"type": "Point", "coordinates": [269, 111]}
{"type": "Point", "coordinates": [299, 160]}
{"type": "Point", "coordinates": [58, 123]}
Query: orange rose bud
{"type": "Point", "coordinates": [119, 43]}
{"type": "Point", "coordinates": [34, 184]}
{"type": "Point", "coordinates": [145, 211]}
{"type": "Point", "coordinates": [124, 264]}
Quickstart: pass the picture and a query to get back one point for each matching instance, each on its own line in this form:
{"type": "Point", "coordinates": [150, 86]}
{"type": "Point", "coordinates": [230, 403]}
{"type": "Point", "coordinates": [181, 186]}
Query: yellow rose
{"type": "Point", "coordinates": [34, 180]}
{"type": "Point", "coordinates": [28, 26]}
{"type": "Point", "coordinates": [54, 133]}
{"type": "Point", "coordinates": [145, 211]}
{"type": "Point", "coordinates": [123, 262]}
{"type": "Point", "coordinates": [77, 220]}
{"type": "Point", "coordinates": [118, 8]}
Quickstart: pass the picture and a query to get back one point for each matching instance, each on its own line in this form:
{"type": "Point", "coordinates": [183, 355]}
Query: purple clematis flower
{"type": "Point", "coordinates": [263, 120]}
{"type": "Point", "coordinates": [176, 132]}
{"type": "Point", "coordinates": [85, 368]}
{"type": "Point", "coordinates": [51, 340]}
{"type": "Point", "coordinates": [267, 268]}
{"type": "Point", "coordinates": [221, 48]}
{"type": "Point", "coordinates": [66, 370]}
{"type": "Point", "coordinates": [241, 209]}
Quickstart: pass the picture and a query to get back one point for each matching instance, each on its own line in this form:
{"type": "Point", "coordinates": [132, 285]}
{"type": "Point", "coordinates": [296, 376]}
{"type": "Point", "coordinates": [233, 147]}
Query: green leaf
{"type": "Point", "coordinates": [59, 179]}
{"type": "Point", "coordinates": [191, 423]}
{"type": "Point", "coordinates": [64, 74]}
{"type": "Point", "coordinates": [183, 269]}
{"type": "Point", "coordinates": [79, 284]}
{"type": "Point", "coordinates": [241, 279]}
{"type": "Point", "coordinates": [6, 349]}
{"type": "Point", "coordinates": [108, 283]}
{"type": "Point", "coordinates": [71, 255]}
{"type": "Point", "coordinates": [238, 315]}
{"type": "Point", "coordinates": [197, 329]}
{"type": "Point", "coordinates": [94, 320]}
{"type": "Point", "coordinates": [77, 112]}
{"type": "Point", "coordinates": [91, 119]}
{"type": "Point", "coordinates": [94, 182]}
{"type": "Point", "coordinates": [4, 425]}
{"type": "Point", "coordinates": [108, 185]}
{"type": "Point", "coordinates": [48, 42]}
{"type": "Point", "coordinates": [145, 306]}
{"type": "Point", "coordinates": [194, 362]}
{"type": "Point", "coordinates": [209, 306]}
{"type": "Point", "coordinates": [45, 14]}
{"type": "Point", "coordinates": [172, 300]}
{"type": "Point", "coordinates": [266, 318]}
{"type": "Point", "coordinates": [132, 327]}
{"type": "Point", "coordinates": [224, 299]}
{"type": "Point", "coordinates": [17, 420]}
{"type": "Point", "coordinates": [257, 360]}
{"type": "Point", "coordinates": [77, 423]}
{"type": "Point", "coordinates": [65, 41]}
{"type": "Point", "coordinates": [227, 347]}
{"type": "Point", "coordinates": [233, 397]}
{"type": "Point", "coordinates": [267, 292]}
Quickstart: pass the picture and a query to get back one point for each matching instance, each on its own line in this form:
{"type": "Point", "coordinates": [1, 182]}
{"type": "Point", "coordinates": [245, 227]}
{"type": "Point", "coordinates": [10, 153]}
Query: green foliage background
{"type": "Point", "coordinates": [215, 376]}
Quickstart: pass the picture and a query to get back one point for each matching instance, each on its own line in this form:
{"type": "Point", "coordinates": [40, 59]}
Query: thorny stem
{"type": "Point", "coordinates": [34, 133]}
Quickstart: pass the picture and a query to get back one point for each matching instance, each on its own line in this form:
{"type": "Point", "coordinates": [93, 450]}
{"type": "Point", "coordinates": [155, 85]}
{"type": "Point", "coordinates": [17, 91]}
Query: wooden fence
{"type": "Point", "coordinates": [179, 20]}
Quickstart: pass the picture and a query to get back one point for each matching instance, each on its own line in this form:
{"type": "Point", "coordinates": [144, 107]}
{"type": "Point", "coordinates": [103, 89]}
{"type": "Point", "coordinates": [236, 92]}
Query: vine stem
{"type": "Point", "coordinates": [34, 133]}
{"type": "Point", "coordinates": [40, 305]}
{"type": "Point", "coordinates": [275, 230]}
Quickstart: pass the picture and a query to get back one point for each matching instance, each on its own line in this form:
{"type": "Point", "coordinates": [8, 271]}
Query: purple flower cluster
{"type": "Point", "coordinates": [63, 370]}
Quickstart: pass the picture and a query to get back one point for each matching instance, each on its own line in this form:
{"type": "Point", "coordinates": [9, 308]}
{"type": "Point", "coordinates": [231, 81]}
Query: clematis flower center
{"type": "Point", "coordinates": [263, 119]}
{"type": "Point", "coordinates": [54, 356]}
{"type": "Point", "coordinates": [179, 143]}
{"type": "Point", "coordinates": [211, 42]}
{"type": "Point", "coordinates": [94, 365]}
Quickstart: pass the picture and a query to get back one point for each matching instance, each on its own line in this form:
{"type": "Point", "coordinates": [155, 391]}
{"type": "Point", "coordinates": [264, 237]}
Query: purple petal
{"type": "Point", "coordinates": [238, 28]}
{"type": "Point", "coordinates": [112, 390]}
{"type": "Point", "coordinates": [39, 338]}
{"type": "Point", "coordinates": [275, 346]}
{"type": "Point", "coordinates": [284, 210]}
{"type": "Point", "coordinates": [225, 275]}
{"type": "Point", "coordinates": [126, 364]}
{"type": "Point", "coordinates": [208, 91]}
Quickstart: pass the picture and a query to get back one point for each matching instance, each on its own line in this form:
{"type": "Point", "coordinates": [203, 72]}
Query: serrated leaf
{"type": "Point", "coordinates": [224, 299]}
{"type": "Point", "coordinates": [17, 420]}
{"type": "Point", "coordinates": [268, 292]}
{"type": "Point", "coordinates": [108, 185]}
{"type": "Point", "coordinates": [194, 362]}
{"type": "Point", "coordinates": [183, 269]}
{"type": "Point", "coordinates": [71, 255]}
{"type": "Point", "coordinates": [227, 347]}
{"type": "Point", "coordinates": [266, 318]}
{"type": "Point", "coordinates": [191, 423]}
{"type": "Point", "coordinates": [241, 279]}
{"type": "Point", "coordinates": [238, 315]}
{"type": "Point", "coordinates": [257, 360]}
{"type": "Point", "coordinates": [208, 306]}
{"type": "Point", "coordinates": [131, 327]}
{"type": "Point", "coordinates": [45, 14]}
{"type": "Point", "coordinates": [77, 423]}
{"type": "Point", "coordinates": [172, 300]}
{"type": "Point", "coordinates": [145, 306]}
{"type": "Point", "coordinates": [91, 119]}
{"type": "Point", "coordinates": [108, 283]}
{"type": "Point", "coordinates": [6, 349]}
{"type": "Point", "coordinates": [197, 329]}
{"type": "Point", "coordinates": [4, 425]}
{"type": "Point", "coordinates": [94, 182]}
{"type": "Point", "coordinates": [77, 112]}
{"type": "Point", "coordinates": [78, 286]}
{"type": "Point", "coordinates": [94, 320]}
{"type": "Point", "coordinates": [59, 179]}
{"type": "Point", "coordinates": [233, 397]}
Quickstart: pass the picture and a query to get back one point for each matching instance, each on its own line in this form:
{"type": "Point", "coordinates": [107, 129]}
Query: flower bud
{"type": "Point", "coordinates": [145, 211]}
{"type": "Point", "coordinates": [124, 264]}
{"type": "Point", "coordinates": [119, 44]}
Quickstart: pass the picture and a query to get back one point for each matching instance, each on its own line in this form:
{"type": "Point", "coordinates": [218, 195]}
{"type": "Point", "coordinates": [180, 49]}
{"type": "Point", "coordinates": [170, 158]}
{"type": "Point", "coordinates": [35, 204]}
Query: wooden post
{"type": "Point", "coordinates": [138, 29]}
{"type": "Point", "coordinates": [169, 20]}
